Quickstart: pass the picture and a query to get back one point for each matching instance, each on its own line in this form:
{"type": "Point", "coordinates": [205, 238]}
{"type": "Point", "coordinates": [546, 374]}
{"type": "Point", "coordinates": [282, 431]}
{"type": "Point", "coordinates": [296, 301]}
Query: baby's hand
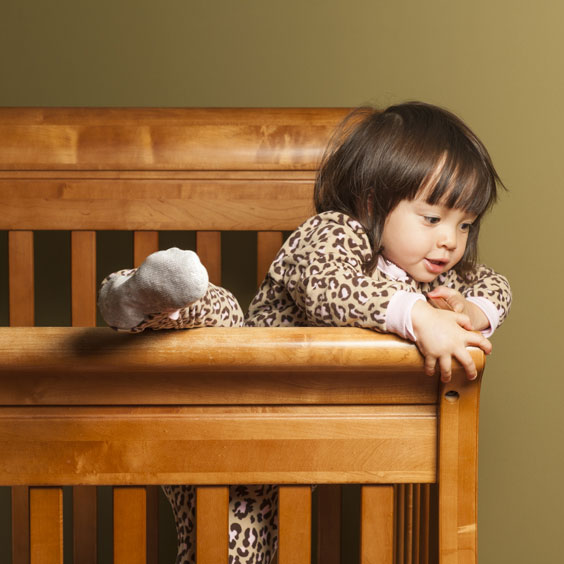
{"type": "Point", "coordinates": [443, 335]}
{"type": "Point", "coordinates": [447, 298]}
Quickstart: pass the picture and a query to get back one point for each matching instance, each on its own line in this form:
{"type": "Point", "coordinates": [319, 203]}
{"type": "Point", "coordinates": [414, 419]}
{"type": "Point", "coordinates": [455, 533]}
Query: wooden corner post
{"type": "Point", "coordinates": [458, 467]}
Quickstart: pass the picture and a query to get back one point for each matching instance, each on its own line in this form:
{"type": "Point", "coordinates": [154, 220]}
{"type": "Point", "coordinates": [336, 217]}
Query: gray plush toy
{"type": "Point", "coordinates": [166, 282]}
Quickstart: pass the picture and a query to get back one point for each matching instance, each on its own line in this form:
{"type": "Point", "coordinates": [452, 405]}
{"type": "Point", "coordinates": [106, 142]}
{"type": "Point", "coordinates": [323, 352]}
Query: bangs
{"type": "Point", "coordinates": [462, 180]}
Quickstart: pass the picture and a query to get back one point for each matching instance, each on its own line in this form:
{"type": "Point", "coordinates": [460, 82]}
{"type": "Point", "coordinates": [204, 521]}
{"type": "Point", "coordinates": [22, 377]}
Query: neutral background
{"type": "Point", "coordinates": [496, 63]}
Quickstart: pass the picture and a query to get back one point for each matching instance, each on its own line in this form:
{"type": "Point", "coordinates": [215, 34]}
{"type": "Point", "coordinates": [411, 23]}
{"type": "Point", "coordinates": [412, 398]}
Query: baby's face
{"type": "Point", "coordinates": [425, 239]}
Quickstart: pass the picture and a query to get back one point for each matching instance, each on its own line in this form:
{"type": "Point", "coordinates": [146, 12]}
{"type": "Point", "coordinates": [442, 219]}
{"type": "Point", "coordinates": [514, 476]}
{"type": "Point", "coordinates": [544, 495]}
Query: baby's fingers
{"type": "Point", "coordinates": [446, 298]}
{"type": "Point", "coordinates": [467, 362]}
{"type": "Point", "coordinates": [464, 321]}
{"type": "Point", "coordinates": [430, 364]}
{"type": "Point", "coordinates": [445, 365]}
{"type": "Point", "coordinates": [478, 340]}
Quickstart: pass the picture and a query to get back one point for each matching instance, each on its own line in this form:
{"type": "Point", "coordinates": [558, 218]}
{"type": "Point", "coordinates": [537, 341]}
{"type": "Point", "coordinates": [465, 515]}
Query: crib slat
{"type": "Point", "coordinates": [328, 524]}
{"type": "Point", "coordinates": [84, 518]}
{"type": "Point", "coordinates": [395, 559]}
{"type": "Point", "coordinates": [408, 524]}
{"type": "Point", "coordinates": [152, 524]}
{"type": "Point", "coordinates": [20, 250]}
{"type": "Point", "coordinates": [144, 243]}
{"type": "Point", "coordinates": [416, 522]}
{"type": "Point", "coordinates": [377, 525]}
{"type": "Point", "coordinates": [21, 300]}
{"type": "Point", "coordinates": [83, 272]}
{"type": "Point", "coordinates": [83, 261]}
{"type": "Point", "coordinates": [400, 523]}
{"type": "Point", "coordinates": [208, 247]}
{"type": "Point", "coordinates": [268, 244]}
{"type": "Point", "coordinates": [130, 540]}
{"type": "Point", "coordinates": [212, 524]}
{"type": "Point", "coordinates": [425, 529]}
{"type": "Point", "coordinates": [46, 525]}
{"type": "Point", "coordinates": [20, 525]}
{"type": "Point", "coordinates": [294, 516]}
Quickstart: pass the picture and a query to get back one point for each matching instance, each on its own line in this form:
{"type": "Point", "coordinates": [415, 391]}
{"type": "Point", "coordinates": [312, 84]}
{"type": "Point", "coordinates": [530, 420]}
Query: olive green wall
{"type": "Point", "coordinates": [496, 63]}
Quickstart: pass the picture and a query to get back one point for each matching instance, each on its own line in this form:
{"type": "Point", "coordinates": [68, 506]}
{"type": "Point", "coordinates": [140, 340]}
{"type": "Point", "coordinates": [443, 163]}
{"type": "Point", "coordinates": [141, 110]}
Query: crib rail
{"type": "Point", "coordinates": [86, 406]}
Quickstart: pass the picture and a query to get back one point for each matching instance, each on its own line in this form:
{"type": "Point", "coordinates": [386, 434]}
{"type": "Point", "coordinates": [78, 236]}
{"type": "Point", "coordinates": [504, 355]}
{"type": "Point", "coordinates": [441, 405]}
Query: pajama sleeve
{"type": "Point", "coordinates": [332, 292]}
{"type": "Point", "coordinates": [491, 292]}
{"type": "Point", "coordinates": [321, 269]}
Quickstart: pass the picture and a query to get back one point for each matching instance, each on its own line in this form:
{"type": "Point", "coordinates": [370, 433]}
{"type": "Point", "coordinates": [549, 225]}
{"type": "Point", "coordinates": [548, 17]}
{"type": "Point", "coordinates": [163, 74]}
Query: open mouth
{"type": "Point", "coordinates": [435, 266]}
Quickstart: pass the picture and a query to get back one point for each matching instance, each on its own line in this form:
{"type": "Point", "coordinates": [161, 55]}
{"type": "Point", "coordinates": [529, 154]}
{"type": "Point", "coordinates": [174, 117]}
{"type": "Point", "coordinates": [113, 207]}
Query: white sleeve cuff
{"type": "Point", "coordinates": [398, 314]}
{"type": "Point", "coordinates": [490, 311]}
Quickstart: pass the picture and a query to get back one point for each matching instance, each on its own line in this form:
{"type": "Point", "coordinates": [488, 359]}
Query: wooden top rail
{"type": "Point", "coordinates": [273, 349]}
{"type": "Point", "coordinates": [98, 139]}
{"type": "Point", "coordinates": [258, 365]}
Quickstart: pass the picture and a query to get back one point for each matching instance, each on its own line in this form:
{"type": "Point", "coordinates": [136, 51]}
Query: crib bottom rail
{"type": "Point", "coordinates": [208, 445]}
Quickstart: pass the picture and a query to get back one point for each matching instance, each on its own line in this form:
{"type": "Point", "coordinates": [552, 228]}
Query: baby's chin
{"type": "Point", "coordinates": [423, 276]}
{"type": "Point", "coordinates": [424, 279]}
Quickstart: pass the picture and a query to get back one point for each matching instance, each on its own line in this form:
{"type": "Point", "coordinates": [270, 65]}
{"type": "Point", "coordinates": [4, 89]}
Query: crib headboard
{"type": "Point", "coordinates": [358, 400]}
{"type": "Point", "coordinates": [147, 170]}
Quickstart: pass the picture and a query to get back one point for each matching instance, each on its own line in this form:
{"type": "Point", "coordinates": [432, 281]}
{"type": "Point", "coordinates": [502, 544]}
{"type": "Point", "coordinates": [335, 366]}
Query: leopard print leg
{"type": "Point", "coordinates": [253, 524]}
{"type": "Point", "coordinates": [183, 502]}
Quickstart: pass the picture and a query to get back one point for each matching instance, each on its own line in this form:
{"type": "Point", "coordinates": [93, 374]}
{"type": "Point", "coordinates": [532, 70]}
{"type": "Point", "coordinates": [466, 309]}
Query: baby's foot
{"type": "Point", "coordinates": [166, 282]}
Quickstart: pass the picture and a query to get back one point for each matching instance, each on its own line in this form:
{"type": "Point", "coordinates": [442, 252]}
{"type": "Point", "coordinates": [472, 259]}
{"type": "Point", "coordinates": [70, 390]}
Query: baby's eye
{"type": "Point", "coordinates": [466, 226]}
{"type": "Point", "coordinates": [432, 219]}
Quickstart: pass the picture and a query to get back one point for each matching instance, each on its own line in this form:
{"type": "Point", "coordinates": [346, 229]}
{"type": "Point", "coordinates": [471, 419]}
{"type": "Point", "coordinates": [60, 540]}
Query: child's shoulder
{"type": "Point", "coordinates": [333, 221]}
{"type": "Point", "coordinates": [330, 232]}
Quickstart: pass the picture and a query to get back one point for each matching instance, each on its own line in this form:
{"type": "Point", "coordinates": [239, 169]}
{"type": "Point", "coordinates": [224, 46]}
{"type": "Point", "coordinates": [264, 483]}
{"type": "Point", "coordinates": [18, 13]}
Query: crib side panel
{"type": "Point", "coordinates": [209, 171]}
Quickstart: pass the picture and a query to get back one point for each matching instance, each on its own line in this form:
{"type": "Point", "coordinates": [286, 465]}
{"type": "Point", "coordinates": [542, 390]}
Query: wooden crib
{"type": "Point", "coordinates": [83, 406]}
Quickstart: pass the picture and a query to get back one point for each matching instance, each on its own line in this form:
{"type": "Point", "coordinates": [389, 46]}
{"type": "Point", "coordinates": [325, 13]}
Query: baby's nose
{"type": "Point", "coordinates": [447, 238]}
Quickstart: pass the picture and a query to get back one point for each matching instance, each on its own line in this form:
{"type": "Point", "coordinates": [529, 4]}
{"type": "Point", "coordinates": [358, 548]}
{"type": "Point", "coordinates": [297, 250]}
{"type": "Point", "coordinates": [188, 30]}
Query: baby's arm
{"type": "Point", "coordinates": [170, 290]}
{"type": "Point", "coordinates": [320, 267]}
{"type": "Point", "coordinates": [439, 335]}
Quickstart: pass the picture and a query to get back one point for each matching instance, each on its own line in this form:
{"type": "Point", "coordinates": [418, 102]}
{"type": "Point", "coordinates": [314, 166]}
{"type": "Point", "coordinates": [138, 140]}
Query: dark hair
{"type": "Point", "coordinates": [376, 159]}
